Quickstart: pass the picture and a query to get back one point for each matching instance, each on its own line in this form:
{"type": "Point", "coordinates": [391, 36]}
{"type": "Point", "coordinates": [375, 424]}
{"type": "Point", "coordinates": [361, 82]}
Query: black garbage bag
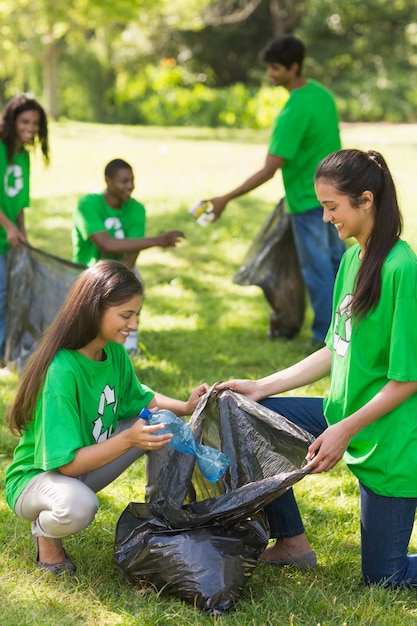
{"type": "Point", "coordinates": [206, 566]}
{"type": "Point", "coordinates": [200, 541]}
{"type": "Point", "coordinates": [38, 283]}
{"type": "Point", "coordinates": [272, 264]}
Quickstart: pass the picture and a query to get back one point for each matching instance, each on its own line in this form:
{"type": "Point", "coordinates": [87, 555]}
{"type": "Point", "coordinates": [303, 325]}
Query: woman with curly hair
{"type": "Point", "coordinates": [23, 126]}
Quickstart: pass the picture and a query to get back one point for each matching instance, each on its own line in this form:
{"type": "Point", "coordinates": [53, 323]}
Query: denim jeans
{"type": "Point", "coordinates": [3, 303]}
{"type": "Point", "coordinates": [319, 251]}
{"type": "Point", "coordinates": [386, 522]}
{"type": "Point", "coordinates": [283, 514]}
{"type": "Point", "coordinates": [386, 527]}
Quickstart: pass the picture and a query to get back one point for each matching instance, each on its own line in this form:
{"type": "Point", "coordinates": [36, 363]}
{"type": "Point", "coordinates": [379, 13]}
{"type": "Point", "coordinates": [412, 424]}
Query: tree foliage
{"type": "Point", "coordinates": [364, 50]}
{"type": "Point", "coordinates": [83, 58]}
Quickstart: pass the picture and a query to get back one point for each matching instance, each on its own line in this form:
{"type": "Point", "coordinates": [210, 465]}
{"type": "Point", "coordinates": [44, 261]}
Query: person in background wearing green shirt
{"type": "Point", "coordinates": [23, 126]}
{"type": "Point", "coordinates": [76, 411]}
{"type": "Point", "coordinates": [305, 131]}
{"type": "Point", "coordinates": [369, 417]}
{"type": "Point", "coordinates": [111, 225]}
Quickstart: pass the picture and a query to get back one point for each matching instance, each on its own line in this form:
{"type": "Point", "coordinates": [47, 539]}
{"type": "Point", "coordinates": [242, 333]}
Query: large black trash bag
{"type": "Point", "coordinates": [200, 541]}
{"type": "Point", "coordinates": [272, 264]}
{"type": "Point", "coordinates": [206, 566]}
{"type": "Point", "coordinates": [38, 283]}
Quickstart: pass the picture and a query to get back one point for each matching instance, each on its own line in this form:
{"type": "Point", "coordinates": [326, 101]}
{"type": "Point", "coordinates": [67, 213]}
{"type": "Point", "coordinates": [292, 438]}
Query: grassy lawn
{"type": "Point", "coordinates": [196, 325]}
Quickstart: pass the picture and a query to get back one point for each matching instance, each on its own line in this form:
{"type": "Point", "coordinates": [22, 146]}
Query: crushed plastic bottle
{"type": "Point", "coordinates": [203, 212]}
{"type": "Point", "coordinates": [212, 463]}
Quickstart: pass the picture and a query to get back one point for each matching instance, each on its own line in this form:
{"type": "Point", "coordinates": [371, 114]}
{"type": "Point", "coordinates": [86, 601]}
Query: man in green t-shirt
{"type": "Point", "coordinates": [111, 225]}
{"type": "Point", "coordinates": [305, 131]}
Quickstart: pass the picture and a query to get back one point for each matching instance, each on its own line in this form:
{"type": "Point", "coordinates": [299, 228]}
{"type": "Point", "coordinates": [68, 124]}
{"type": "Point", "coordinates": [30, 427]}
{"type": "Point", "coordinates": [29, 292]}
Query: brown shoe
{"type": "Point", "coordinates": [308, 560]}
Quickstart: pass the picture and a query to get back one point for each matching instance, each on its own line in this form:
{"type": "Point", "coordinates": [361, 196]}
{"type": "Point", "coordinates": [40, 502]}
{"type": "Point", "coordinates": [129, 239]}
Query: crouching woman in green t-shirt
{"type": "Point", "coordinates": [76, 411]}
{"type": "Point", "coordinates": [369, 417]}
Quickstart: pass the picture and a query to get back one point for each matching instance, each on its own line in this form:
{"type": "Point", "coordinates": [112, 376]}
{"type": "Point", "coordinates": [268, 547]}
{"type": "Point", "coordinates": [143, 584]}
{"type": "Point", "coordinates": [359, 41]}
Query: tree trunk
{"type": "Point", "coordinates": [50, 79]}
{"type": "Point", "coordinates": [285, 19]}
{"type": "Point", "coordinates": [277, 22]}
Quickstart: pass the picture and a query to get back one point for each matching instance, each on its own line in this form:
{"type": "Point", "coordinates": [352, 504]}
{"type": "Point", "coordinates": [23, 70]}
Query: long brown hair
{"type": "Point", "coordinates": [106, 284]}
{"type": "Point", "coordinates": [17, 105]}
{"type": "Point", "coordinates": [351, 172]}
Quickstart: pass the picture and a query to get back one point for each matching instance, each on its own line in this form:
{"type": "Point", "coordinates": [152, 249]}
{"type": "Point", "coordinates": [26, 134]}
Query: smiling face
{"type": "Point", "coordinates": [119, 321]}
{"type": "Point", "coordinates": [348, 220]}
{"type": "Point", "coordinates": [280, 76]}
{"type": "Point", "coordinates": [119, 187]}
{"type": "Point", "coordinates": [27, 128]}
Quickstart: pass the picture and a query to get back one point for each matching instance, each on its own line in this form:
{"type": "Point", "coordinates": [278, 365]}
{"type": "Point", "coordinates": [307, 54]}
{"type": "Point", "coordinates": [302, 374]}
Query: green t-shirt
{"type": "Point", "coordinates": [79, 405]}
{"type": "Point", "coordinates": [368, 354]}
{"type": "Point", "coordinates": [94, 215]}
{"type": "Point", "coordinates": [14, 190]}
{"type": "Point", "coordinates": [306, 131]}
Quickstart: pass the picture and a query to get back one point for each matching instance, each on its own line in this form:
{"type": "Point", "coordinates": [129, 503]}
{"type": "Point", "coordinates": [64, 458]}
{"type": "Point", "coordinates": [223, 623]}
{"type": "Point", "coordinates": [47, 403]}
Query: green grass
{"type": "Point", "coordinates": [196, 325]}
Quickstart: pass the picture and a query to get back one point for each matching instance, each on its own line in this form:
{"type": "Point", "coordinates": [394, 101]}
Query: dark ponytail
{"type": "Point", "coordinates": [352, 172]}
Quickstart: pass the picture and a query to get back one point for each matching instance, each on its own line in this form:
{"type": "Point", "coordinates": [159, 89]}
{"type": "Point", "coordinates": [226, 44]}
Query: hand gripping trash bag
{"type": "Point", "coordinates": [272, 264]}
{"type": "Point", "coordinates": [200, 541]}
{"type": "Point", "coordinates": [37, 286]}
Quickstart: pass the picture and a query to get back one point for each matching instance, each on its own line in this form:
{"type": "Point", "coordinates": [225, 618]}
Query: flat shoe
{"type": "Point", "coordinates": [307, 560]}
{"type": "Point", "coordinates": [54, 568]}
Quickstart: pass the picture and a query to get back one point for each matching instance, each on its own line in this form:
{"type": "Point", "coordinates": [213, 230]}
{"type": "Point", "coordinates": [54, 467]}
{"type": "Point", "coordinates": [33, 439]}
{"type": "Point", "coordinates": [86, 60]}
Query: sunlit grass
{"type": "Point", "coordinates": [195, 325]}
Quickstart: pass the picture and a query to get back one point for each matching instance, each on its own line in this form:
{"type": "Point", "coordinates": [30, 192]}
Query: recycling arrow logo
{"type": "Point", "coordinates": [107, 398]}
{"type": "Point", "coordinates": [343, 326]}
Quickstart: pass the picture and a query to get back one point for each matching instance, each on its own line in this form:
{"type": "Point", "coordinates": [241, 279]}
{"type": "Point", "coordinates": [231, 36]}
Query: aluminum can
{"type": "Point", "coordinates": [202, 212]}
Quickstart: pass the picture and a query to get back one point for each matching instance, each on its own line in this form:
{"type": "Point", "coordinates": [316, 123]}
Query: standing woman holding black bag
{"type": "Point", "coordinates": [23, 126]}
{"type": "Point", "coordinates": [370, 414]}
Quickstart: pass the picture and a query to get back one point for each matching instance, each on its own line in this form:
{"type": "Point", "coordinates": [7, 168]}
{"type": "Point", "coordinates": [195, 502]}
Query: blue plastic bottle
{"type": "Point", "coordinates": [211, 462]}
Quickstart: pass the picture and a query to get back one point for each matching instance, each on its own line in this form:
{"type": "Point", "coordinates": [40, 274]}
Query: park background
{"type": "Point", "coordinates": [196, 62]}
{"type": "Point", "coordinates": [128, 86]}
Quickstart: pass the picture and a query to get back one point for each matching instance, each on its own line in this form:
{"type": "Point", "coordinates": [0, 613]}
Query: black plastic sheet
{"type": "Point", "coordinates": [272, 264]}
{"type": "Point", "coordinates": [201, 541]}
{"type": "Point", "coordinates": [38, 283]}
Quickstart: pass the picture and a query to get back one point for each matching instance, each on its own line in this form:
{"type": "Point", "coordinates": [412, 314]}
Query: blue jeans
{"type": "Point", "coordinates": [3, 303]}
{"type": "Point", "coordinates": [386, 522]}
{"type": "Point", "coordinates": [283, 514]}
{"type": "Point", "coordinates": [319, 251]}
{"type": "Point", "coordinates": [386, 527]}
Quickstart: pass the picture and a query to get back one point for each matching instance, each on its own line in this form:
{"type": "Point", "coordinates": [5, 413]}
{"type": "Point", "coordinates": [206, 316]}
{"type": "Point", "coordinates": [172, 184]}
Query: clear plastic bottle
{"type": "Point", "coordinates": [212, 463]}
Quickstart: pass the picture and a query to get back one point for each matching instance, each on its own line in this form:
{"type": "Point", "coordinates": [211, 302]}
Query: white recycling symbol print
{"type": "Point", "coordinates": [107, 398]}
{"type": "Point", "coordinates": [343, 326]}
